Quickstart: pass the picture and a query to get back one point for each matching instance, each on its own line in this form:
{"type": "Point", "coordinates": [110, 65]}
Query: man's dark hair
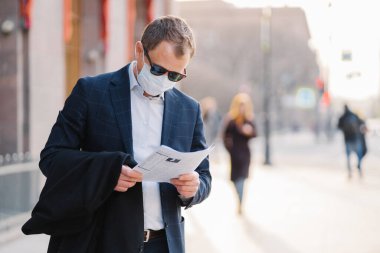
{"type": "Point", "coordinates": [172, 29]}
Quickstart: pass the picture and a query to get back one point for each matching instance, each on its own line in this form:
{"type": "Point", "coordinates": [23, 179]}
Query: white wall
{"type": "Point", "coordinates": [117, 35]}
{"type": "Point", "coordinates": [47, 70]}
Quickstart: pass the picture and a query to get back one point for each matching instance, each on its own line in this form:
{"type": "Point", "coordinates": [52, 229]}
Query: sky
{"type": "Point", "coordinates": [338, 26]}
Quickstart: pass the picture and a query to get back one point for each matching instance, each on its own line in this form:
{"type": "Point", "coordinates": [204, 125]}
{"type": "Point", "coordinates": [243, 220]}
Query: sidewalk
{"type": "Point", "coordinates": [302, 204]}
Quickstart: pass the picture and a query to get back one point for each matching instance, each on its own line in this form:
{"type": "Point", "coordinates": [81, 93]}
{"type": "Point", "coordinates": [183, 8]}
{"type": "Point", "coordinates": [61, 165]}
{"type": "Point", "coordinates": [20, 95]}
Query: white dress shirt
{"type": "Point", "coordinates": [147, 115]}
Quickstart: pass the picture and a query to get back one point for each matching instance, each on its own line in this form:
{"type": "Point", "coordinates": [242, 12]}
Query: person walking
{"type": "Point", "coordinates": [211, 118]}
{"type": "Point", "coordinates": [93, 200]}
{"type": "Point", "coordinates": [353, 129]}
{"type": "Point", "coordinates": [239, 129]}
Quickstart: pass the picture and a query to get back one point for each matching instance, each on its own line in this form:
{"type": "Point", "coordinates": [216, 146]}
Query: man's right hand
{"type": "Point", "coordinates": [128, 178]}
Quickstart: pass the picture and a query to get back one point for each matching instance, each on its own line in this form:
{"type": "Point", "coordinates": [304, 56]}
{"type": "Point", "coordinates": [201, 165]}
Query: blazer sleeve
{"type": "Point", "coordinates": [199, 143]}
{"type": "Point", "coordinates": [78, 182]}
{"type": "Point", "coordinates": [68, 132]}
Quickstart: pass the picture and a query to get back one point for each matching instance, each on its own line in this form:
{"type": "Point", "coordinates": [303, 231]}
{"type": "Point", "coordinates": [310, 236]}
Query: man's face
{"type": "Point", "coordinates": [163, 55]}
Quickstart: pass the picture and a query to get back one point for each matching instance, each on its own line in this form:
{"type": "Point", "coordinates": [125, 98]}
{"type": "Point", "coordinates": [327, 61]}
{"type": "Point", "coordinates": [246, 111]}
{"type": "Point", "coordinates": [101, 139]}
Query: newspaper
{"type": "Point", "coordinates": [167, 163]}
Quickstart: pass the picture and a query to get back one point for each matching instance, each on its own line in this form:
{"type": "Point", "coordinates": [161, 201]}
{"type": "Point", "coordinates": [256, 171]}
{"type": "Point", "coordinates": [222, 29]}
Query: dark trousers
{"type": "Point", "coordinates": [354, 146]}
{"type": "Point", "coordinates": [156, 245]}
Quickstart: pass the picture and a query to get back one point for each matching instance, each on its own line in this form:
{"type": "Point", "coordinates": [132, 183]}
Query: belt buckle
{"type": "Point", "coordinates": [146, 235]}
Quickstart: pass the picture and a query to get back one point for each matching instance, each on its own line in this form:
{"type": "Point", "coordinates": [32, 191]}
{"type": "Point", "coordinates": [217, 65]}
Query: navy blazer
{"type": "Point", "coordinates": [97, 118]}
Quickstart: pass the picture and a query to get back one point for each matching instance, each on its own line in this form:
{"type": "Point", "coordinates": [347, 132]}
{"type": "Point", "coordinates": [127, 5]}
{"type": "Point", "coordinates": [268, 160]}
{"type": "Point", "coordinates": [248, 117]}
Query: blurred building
{"type": "Point", "coordinates": [230, 57]}
{"type": "Point", "coordinates": [45, 46]}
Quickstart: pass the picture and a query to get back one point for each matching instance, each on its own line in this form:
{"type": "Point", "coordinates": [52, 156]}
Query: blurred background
{"type": "Point", "coordinates": [300, 62]}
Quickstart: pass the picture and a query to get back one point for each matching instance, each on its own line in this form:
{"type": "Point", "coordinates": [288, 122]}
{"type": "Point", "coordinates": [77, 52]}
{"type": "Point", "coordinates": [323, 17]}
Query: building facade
{"type": "Point", "coordinates": [45, 46]}
{"type": "Point", "coordinates": [231, 56]}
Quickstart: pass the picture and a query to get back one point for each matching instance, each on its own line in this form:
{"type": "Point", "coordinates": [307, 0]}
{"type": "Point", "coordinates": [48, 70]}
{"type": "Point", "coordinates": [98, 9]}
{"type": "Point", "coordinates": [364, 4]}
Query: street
{"type": "Point", "coordinates": [304, 203]}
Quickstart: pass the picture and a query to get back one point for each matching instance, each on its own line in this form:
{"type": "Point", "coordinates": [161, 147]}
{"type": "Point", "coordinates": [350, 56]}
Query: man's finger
{"type": "Point", "coordinates": [178, 182]}
{"type": "Point", "coordinates": [188, 176]}
{"type": "Point", "coordinates": [127, 179]}
{"type": "Point", "coordinates": [130, 173]}
{"type": "Point", "coordinates": [127, 184]}
{"type": "Point", "coordinates": [122, 184]}
{"type": "Point", "coordinates": [187, 194]}
{"type": "Point", "coordinates": [130, 184]}
{"type": "Point", "coordinates": [120, 189]}
{"type": "Point", "coordinates": [123, 177]}
{"type": "Point", "coordinates": [185, 188]}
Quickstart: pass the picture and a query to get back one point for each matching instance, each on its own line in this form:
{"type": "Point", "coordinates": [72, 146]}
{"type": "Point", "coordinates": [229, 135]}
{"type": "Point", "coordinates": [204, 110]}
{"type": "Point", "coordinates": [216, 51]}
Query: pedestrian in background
{"type": "Point", "coordinates": [239, 129]}
{"type": "Point", "coordinates": [93, 200]}
{"type": "Point", "coordinates": [211, 119]}
{"type": "Point", "coordinates": [354, 130]}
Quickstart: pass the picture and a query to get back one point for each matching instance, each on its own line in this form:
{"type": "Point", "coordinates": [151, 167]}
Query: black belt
{"type": "Point", "coordinates": [151, 234]}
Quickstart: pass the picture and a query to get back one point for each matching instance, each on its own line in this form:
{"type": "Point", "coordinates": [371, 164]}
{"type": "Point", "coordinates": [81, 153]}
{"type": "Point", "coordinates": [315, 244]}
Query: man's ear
{"type": "Point", "coordinates": [139, 53]}
{"type": "Point", "coordinates": [139, 50]}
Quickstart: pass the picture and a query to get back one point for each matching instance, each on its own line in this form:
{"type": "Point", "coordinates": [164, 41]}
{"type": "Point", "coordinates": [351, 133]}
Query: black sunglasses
{"type": "Point", "coordinates": [157, 70]}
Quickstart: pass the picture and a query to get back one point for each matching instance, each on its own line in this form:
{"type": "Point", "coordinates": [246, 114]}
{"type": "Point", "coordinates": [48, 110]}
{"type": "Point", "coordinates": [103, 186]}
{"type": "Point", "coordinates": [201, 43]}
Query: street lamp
{"type": "Point", "coordinates": [265, 39]}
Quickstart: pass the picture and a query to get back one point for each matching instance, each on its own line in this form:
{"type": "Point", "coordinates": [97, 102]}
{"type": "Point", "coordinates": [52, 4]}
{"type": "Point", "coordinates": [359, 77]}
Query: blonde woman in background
{"type": "Point", "coordinates": [239, 129]}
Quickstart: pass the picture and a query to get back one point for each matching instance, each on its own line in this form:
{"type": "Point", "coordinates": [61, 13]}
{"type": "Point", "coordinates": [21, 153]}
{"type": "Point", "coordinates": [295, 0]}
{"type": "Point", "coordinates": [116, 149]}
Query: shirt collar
{"type": "Point", "coordinates": [135, 85]}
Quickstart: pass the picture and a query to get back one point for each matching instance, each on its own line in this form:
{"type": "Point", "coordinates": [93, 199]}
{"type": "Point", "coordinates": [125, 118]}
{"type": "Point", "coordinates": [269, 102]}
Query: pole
{"type": "Point", "coordinates": [265, 26]}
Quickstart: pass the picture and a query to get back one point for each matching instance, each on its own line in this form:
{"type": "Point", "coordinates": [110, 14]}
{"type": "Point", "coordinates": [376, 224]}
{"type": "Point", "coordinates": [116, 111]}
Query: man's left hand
{"type": "Point", "coordinates": [187, 184]}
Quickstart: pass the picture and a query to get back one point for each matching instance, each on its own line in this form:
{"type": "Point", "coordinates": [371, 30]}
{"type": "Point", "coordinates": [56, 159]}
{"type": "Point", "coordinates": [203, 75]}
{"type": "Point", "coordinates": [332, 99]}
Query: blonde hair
{"type": "Point", "coordinates": [234, 112]}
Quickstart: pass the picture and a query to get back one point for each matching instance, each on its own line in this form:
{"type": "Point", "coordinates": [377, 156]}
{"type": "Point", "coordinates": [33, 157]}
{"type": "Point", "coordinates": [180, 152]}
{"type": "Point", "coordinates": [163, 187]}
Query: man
{"type": "Point", "coordinates": [93, 200]}
{"type": "Point", "coordinates": [353, 129]}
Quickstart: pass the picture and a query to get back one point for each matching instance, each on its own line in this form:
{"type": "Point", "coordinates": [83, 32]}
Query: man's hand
{"type": "Point", "coordinates": [128, 178]}
{"type": "Point", "coordinates": [187, 184]}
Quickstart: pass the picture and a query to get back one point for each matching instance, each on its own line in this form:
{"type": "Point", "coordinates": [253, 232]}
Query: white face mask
{"type": "Point", "coordinates": [151, 84]}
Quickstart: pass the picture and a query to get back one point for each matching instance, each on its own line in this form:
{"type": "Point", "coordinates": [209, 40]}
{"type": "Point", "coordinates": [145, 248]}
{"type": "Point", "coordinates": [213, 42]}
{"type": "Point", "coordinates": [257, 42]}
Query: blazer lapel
{"type": "Point", "coordinates": [168, 191]}
{"type": "Point", "coordinates": [121, 101]}
{"type": "Point", "coordinates": [170, 103]}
